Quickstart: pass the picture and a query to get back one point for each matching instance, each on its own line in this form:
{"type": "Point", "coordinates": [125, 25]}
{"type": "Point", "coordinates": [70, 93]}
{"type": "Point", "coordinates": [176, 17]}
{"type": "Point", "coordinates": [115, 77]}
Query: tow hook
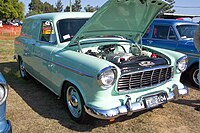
{"type": "Point", "coordinates": [128, 105]}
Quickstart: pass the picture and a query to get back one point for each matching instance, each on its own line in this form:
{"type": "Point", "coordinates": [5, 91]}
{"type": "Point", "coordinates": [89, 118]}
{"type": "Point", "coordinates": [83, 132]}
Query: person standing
{"type": "Point", "coordinates": [197, 38]}
{"type": "Point", "coordinates": [197, 46]}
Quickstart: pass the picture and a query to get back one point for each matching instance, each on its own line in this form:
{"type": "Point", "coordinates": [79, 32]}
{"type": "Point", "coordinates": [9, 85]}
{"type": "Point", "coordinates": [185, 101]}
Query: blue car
{"type": "Point", "coordinates": [175, 35]}
{"type": "Point", "coordinates": [5, 125]}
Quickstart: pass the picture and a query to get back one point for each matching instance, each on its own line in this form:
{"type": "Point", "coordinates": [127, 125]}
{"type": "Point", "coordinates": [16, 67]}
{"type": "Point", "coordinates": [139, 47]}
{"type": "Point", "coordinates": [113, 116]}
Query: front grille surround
{"type": "Point", "coordinates": [145, 79]}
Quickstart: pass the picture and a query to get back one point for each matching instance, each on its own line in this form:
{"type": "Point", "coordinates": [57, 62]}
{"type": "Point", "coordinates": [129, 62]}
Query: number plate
{"type": "Point", "coordinates": [155, 100]}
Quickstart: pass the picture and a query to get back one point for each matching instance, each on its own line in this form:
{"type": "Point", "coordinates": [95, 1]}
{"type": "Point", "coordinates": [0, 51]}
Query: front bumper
{"type": "Point", "coordinates": [129, 108]}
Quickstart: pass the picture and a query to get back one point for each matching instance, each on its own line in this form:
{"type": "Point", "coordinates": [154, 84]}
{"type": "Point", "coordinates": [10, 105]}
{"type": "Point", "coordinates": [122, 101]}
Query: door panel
{"type": "Point", "coordinates": [162, 36]}
{"type": "Point", "coordinates": [29, 38]}
{"type": "Point", "coordinates": [43, 54]}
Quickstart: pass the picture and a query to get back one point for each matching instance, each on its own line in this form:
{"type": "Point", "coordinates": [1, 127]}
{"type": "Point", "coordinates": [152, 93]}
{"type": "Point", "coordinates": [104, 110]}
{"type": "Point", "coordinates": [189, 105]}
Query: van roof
{"type": "Point", "coordinates": [61, 15]}
{"type": "Point", "coordinates": [172, 21]}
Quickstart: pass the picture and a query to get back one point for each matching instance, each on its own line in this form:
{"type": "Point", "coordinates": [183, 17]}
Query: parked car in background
{"type": "Point", "coordinates": [5, 125]}
{"type": "Point", "coordinates": [94, 61]}
{"type": "Point", "coordinates": [176, 35]}
{"type": "Point", "coordinates": [12, 23]}
{"type": "Point", "coordinates": [1, 23]}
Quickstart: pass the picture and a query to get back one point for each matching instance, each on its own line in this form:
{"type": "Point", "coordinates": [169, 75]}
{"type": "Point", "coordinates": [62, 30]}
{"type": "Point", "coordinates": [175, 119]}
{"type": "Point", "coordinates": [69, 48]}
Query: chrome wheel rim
{"type": "Point", "coordinates": [22, 68]}
{"type": "Point", "coordinates": [195, 76]}
{"type": "Point", "coordinates": [74, 102]}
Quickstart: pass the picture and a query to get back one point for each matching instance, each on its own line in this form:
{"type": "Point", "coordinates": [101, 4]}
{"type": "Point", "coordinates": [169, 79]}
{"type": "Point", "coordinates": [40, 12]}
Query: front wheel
{"type": "Point", "coordinates": [193, 75]}
{"type": "Point", "coordinates": [75, 104]}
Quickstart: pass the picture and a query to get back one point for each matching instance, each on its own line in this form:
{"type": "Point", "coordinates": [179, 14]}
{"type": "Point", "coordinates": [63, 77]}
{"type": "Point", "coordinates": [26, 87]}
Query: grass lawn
{"type": "Point", "coordinates": [6, 50]}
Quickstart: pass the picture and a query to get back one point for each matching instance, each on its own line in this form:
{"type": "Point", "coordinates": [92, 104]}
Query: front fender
{"type": "Point", "coordinates": [172, 55]}
{"type": "Point", "coordinates": [82, 64]}
{"type": "Point", "coordinates": [187, 48]}
{"type": "Point", "coordinates": [82, 70]}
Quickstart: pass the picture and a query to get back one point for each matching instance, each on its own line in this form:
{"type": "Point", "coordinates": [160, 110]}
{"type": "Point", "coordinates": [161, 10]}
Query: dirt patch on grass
{"type": "Point", "coordinates": [31, 107]}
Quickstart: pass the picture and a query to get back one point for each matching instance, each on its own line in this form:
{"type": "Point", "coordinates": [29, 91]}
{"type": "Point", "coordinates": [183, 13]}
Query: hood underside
{"type": "Point", "coordinates": [127, 18]}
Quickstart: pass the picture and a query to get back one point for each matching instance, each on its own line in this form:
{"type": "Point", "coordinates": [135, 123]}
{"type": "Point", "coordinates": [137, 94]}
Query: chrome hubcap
{"type": "Point", "coordinates": [74, 102]}
{"type": "Point", "coordinates": [195, 76]}
{"type": "Point", "coordinates": [22, 68]}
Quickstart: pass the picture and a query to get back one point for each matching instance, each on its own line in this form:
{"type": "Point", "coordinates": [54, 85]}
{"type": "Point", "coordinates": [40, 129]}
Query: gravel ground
{"type": "Point", "coordinates": [32, 108]}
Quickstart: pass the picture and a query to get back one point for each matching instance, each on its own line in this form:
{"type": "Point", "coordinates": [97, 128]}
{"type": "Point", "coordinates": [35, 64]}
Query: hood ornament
{"type": "Point", "coordinates": [146, 63]}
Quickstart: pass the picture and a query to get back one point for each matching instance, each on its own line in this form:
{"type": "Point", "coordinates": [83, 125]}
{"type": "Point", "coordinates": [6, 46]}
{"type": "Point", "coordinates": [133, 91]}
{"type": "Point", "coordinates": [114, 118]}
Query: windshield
{"type": "Point", "coordinates": [67, 28]}
{"type": "Point", "coordinates": [186, 31]}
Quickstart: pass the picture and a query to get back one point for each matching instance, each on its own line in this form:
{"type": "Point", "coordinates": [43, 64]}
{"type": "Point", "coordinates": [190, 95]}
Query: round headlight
{"type": "Point", "coordinates": [107, 76]}
{"type": "Point", "coordinates": [3, 94]}
{"type": "Point", "coordinates": [182, 64]}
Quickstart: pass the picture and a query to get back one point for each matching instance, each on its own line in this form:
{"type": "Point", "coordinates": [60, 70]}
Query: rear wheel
{"type": "Point", "coordinates": [193, 75]}
{"type": "Point", "coordinates": [23, 73]}
{"type": "Point", "coordinates": [75, 104]}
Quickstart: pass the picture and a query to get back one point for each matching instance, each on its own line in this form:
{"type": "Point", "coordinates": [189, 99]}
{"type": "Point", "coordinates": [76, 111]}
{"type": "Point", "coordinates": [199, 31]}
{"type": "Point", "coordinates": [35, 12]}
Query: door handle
{"type": "Point", "coordinates": [26, 54]}
{"type": "Point", "coordinates": [50, 65]}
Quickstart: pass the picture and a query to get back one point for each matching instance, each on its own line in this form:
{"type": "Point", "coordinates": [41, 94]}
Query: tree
{"type": "Point", "coordinates": [67, 9]}
{"type": "Point", "coordinates": [76, 7]}
{"type": "Point", "coordinates": [89, 8]}
{"type": "Point", "coordinates": [35, 5]}
{"type": "Point", "coordinates": [7, 11]}
{"type": "Point", "coordinates": [11, 9]}
{"type": "Point", "coordinates": [59, 6]}
{"type": "Point", "coordinates": [19, 7]}
{"type": "Point", "coordinates": [46, 8]}
{"type": "Point", "coordinates": [33, 12]}
{"type": "Point", "coordinates": [38, 7]}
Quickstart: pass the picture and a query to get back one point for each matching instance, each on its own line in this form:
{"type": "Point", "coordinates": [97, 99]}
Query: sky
{"type": "Point", "coordinates": [181, 6]}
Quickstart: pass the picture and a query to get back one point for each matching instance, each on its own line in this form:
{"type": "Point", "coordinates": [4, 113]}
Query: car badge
{"type": "Point", "coordinates": [146, 63]}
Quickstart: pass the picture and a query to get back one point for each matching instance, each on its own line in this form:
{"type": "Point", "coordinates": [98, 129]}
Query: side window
{"type": "Point", "coordinates": [47, 33]}
{"type": "Point", "coordinates": [172, 35]}
{"type": "Point", "coordinates": [160, 32]}
{"type": "Point", "coordinates": [67, 28]}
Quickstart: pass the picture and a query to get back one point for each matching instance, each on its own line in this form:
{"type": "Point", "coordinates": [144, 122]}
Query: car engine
{"type": "Point", "coordinates": [128, 62]}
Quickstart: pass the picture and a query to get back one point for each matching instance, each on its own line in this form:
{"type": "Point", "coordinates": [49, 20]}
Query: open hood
{"type": "Point", "coordinates": [127, 18]}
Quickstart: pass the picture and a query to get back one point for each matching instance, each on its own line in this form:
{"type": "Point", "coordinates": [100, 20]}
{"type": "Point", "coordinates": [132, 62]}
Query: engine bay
{"type": "Point", "coordinates": [127, 57]}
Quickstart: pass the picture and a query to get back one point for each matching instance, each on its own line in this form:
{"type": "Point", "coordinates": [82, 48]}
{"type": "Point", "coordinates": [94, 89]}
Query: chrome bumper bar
{"type": "Point", "coordinates": [129, 108]}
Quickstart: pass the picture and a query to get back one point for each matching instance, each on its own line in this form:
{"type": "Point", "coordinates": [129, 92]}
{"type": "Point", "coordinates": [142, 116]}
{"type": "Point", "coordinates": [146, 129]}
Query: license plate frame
{"type": "Point", "coordinates": [155, 100]}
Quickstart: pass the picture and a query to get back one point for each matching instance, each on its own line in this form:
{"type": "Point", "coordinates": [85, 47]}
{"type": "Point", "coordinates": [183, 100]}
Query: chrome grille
{"type": "Point", "coordinates": [143, 79]}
